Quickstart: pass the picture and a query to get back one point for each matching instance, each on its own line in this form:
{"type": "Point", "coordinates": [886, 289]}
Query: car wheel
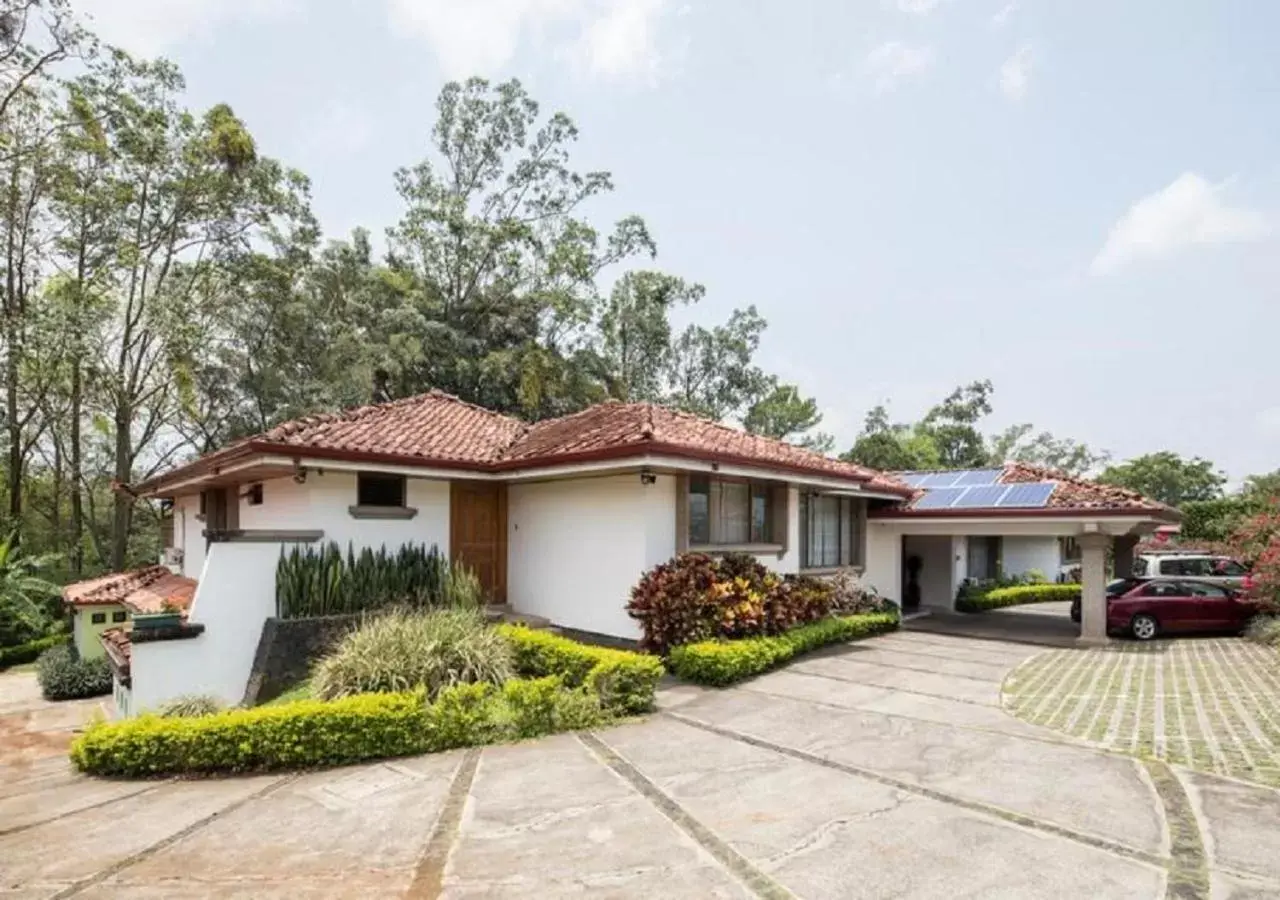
{"type": "Point", "coordinates": [1144, 627]}
{"type": "Point", "coordinates": [1075, 612]}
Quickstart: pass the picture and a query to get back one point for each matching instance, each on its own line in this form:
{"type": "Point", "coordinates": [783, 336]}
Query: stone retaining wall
{"type": "Point", "coordinates": [286, 651]}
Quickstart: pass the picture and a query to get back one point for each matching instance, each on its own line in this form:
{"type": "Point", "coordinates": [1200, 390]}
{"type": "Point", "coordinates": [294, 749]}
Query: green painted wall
{"type": "Point", "coordinates": [85, 632]}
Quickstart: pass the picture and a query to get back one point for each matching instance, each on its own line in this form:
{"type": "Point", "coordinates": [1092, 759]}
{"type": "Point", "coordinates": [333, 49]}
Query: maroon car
{"type": "Point", "coordinates": [1146, 608]}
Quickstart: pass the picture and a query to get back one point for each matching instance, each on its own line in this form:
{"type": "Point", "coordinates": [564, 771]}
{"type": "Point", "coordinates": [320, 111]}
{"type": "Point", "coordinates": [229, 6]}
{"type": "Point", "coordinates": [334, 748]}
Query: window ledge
{"type": "Point", "coordinates": [713, 549]}
{"type": "Point", "coordinates": [382, 512]}
{"type": "Point", "coordinates": [833, 570]}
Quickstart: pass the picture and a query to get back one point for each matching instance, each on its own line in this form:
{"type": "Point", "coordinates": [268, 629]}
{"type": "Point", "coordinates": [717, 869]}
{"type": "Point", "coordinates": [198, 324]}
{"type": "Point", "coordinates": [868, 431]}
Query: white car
{"type": "Point", "coordinates": [1201, 566]}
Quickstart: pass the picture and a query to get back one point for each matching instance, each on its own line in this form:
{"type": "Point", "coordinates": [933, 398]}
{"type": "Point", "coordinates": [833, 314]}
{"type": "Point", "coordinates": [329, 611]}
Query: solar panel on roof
{"type": "Point", "coordinates": [939, 498]}
{"type": "Point", "coordinates": [1028, 496]}
{"type": "Point", "coordinates": [913, 479]}
{"type": "Point", "coordinates": [939, 479]}
{"type": "Point", "coordinates": [981, 497]}
{"type": "Point", "coordinates": [979, 477]}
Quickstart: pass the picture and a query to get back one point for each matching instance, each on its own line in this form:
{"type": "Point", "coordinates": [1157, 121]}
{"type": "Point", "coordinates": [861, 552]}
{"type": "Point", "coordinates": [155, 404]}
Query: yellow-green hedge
{"type": "Point", "coordinates": [625, 681]}
{"type": "Point", "coordinates": [721, 663]}
{"type": "Point", "coordinates": [311, 733]}
{"type": "Point", "coordinates": [1018, 595]}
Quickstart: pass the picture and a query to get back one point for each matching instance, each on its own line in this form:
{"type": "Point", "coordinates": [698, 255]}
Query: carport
{"type": "Point", "coordinates": [975, 524]}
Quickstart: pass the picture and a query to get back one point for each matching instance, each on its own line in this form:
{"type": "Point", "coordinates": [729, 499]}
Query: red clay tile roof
{"type": "Point", "coordinates": [142, 590]}
{"type": "Point", "coordinates": [118, 646]}
{"type": "Point", "coordinates": [1070, 495]}
{"type": "Point", "coordinates": [439, 429]}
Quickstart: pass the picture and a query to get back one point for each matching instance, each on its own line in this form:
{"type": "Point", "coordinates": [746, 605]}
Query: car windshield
{"type": "Point", "coordinates": [1122, 586]}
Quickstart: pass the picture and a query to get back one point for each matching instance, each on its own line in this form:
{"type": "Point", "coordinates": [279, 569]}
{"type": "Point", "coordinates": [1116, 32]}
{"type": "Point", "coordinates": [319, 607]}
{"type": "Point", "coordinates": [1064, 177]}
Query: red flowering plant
{"type": "Point", "coordinates": [676, 602]}
{"type": "Point", "coordinates": [1257, 541]}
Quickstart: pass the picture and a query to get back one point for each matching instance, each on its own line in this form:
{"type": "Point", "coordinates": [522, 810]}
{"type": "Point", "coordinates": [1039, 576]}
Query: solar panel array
{"type": "Point", "coordinates": [977, 489]}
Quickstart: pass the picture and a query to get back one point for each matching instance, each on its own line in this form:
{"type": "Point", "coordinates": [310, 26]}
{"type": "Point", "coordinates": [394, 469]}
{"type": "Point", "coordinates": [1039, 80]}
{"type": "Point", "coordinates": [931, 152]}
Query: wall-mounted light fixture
{"type": "Point", "coordinates": [647, 477]}
{"type": "Point", "coordinates": [299, 473]}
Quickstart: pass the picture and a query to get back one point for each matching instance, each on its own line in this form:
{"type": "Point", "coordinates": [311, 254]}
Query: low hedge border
{"type": "Point", "coordinates": [1018, 595]}
{"type": "Point", "coordinates": [720, 663]}
{"type": "Point", "coordinates": [624, 681]}
{"type": "Point", "coordinates": [312, 733]}
{"type": "Point", "coordinates": [25, 653]}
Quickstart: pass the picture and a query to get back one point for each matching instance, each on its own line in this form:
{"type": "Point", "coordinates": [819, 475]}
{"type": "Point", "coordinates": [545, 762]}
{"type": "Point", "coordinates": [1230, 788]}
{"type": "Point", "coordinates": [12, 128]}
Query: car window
{"type": "Point", "coordinates": [1229, 568]}
{"type": "Point", "coordinates": [1140, 566]}
{"type": "Point", "coordinates": [1121, 586]}
{"type": "Point", "coordinates": [1171, 567]}
{"type": "Point", "coordinates": [1199, 589]}
{"type": "Point", "coordinates": [1162, 589]}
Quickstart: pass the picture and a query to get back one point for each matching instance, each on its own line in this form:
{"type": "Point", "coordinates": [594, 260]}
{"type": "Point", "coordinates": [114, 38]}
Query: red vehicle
{"type": "Point", "coordinates": [1148, 607]}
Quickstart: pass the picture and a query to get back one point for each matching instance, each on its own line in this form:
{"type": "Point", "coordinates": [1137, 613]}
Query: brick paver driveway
{"type": "Point", "coordinates": [882, 769]}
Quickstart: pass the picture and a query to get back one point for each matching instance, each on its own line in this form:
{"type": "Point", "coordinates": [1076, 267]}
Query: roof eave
{"type": "Point", "coordinates": [1062, 512]}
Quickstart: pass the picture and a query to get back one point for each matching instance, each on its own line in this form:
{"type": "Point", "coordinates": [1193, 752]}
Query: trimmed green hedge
{"type": "Point", "coordinates": [1016, 596]}
{"type": "Point", "coordinates": [624, 681]}
{"type": "Point", "coordinates": [721, 663]}
{"type": "Point", "coordinates": [310, 733]}
{"type": "Point", "coordinates": [63, 675]}
{"type": "Point", "coordinates": [25, 653]}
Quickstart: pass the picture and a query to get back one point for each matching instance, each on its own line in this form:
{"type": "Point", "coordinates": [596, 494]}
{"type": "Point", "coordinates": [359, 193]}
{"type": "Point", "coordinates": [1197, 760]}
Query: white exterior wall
{"type": "Point", "coordinates": [1021, 555]}
{"type": "Point", "coordinates": [577, 547]}
{"type": "Point", "coordinates": [188, 534]}
{"type": "Point", "coordinates": [323, 502]}
{"type": "Point", "coordinates": [884, 563]}
{"type": "Point", "coordinates": [936, 552]}
{"type": "Point", "coordinates": [235, 597]}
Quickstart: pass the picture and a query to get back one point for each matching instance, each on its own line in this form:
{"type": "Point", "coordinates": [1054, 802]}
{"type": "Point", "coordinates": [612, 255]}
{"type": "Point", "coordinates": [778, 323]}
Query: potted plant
{"type": "Point", "coordinates": [170, 616]}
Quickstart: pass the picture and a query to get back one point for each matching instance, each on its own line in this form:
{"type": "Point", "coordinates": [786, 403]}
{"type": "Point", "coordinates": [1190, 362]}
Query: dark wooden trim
{"type": "Point", "coordinates": [500, 567]}
{"type": "Point", "coordinates": [262, 536]}
{"type": "Point", "coordinates": [682, 513]}
{"type": "Point", "coordinates": [382, 512]}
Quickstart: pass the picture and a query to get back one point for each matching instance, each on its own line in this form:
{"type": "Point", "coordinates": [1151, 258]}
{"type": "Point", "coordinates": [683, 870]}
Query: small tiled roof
{"type": "Point", "coordinates": [118, 646]}
{"type": "Point", "coordinates": [438, 429]}
{"type": "Point", "coordinates": [144, 590]}
{"type": "Point", "coordinates": [1071, 494]}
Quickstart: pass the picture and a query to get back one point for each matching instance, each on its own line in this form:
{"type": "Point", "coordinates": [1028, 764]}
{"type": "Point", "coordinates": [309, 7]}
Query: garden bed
{"type": "Point", "coordinates": [562, 686]}
{"type": "Point", "coordinates": [723, 662]}
{"type": "Point", "coordinates": [1017, 595]}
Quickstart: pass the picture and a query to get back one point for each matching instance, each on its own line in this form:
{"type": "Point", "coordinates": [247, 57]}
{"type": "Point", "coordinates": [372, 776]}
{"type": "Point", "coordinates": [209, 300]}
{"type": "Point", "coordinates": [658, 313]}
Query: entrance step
{"type": "Point", "coordinates": [502, 612]}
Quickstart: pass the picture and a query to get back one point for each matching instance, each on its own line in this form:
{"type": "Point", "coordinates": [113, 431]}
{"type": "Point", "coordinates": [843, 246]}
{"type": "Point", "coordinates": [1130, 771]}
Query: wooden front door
{"type": "Point", "coordinates": [478, 534]}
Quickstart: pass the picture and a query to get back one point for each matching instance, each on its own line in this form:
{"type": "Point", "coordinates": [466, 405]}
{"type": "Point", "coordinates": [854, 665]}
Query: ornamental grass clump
{"type": "Point", "coordinates": [406, 650]}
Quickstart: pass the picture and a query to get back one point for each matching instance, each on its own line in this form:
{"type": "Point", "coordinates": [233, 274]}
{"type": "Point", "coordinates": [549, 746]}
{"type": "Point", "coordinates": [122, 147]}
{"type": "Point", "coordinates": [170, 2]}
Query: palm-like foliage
{"type": "Point", "coordinates": [25, 609]}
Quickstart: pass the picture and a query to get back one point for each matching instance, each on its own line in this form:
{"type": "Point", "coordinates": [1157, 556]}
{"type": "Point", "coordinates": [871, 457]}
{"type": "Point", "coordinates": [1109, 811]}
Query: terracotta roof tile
{"type": "Point", "coordinates": [118, 645]}
{"type": "Point", "coordinates": [439, 428]}
{"type": "Point", "coordinates": [144, 590]}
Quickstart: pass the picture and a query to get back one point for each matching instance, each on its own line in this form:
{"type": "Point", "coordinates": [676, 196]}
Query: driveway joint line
{"type": "Point", "coordinates": [904, 690]}
{"type": "Point", "coordinates": [881, 665]}
{"type": "Point", "coordinates": [1189, 863]}
{"type": "Point", "coordinates": [738, 865]}
{"type": "Point", "coordinates": [151, 850]}
{"type": "Point", "coordinates": [17, 829]}
{"type": "Point", "coordinates": [428, 877]}
{"type": "Point", "coordinates": [1009, 817]}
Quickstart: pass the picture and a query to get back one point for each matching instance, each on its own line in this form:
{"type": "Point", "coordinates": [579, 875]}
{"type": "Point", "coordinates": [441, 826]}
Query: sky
{"type": "Point", "coordinates": [1078, 200]}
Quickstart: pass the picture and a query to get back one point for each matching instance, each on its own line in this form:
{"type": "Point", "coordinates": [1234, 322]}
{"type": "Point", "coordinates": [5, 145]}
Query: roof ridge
{"type": "Point", "coordinates": [364, 411]}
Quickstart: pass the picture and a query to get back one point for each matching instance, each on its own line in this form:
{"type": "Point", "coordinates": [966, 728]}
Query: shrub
{"type": "Point", "coordinates": [625, 682]}
{"type": "Point", "coordinates": [1264, 630]}
{"type": "Point", "coordinates": [191, 705]}
{"type": "Point", "coordinates": [403, 650]}
{"type": "Point", "coordinates": [298, 735]}
{"type": "Point", "coordinates": [1018, 595]}
{"type": "Point", "coordinates": [64, 675]}
{"type": "Point", "coordinates": [694, 598]}
{"type": "Point", "coordinates": [721, 663]}
{"type": "Point", "coordinates": [324, 581]}
{"type": "Point", "coordinates": [849, 596]}
{"type": "Point", "coordinates": [28, 652]}
{"type": "Point", "coordinates": [310, 733]}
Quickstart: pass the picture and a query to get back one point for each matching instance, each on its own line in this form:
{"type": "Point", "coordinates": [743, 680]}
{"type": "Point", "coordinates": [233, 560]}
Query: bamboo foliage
{"type": "Point", "coordinates": [325, 581]}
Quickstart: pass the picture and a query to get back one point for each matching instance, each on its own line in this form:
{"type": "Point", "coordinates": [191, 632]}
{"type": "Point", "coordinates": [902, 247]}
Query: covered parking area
{"type": "Point", "coordinates": [969, 528]}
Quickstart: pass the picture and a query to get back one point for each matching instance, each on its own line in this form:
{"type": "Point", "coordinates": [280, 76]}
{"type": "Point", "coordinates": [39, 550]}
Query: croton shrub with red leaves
{"type": "Point", "coordinates": [696, 597]}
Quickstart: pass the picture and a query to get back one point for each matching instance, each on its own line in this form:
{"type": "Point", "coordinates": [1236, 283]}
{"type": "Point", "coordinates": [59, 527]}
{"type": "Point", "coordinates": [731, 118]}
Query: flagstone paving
{"type": "Point", "coordinates": [886, 768]}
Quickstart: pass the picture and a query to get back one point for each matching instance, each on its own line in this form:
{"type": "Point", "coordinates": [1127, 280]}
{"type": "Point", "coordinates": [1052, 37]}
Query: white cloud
{"type": "Point", "coordinates": [894, 61]}
{"type": "Point", "coordinates": [616, 39]}
{"type": "Point", "coordinates": [151, 27]}
{"type": "Point", "coordinates": [918, 7]}
{"type": "Point", "coordinates": [1188, 212]}
{"type": "Point", "coordinates": [1001, 18]}
{"type": "Point", "coordinates": [1015, 74]}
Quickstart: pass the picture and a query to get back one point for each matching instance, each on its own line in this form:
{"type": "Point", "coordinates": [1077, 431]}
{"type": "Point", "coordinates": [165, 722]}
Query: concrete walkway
{"type": "Point", "coordinates": [881, 769]}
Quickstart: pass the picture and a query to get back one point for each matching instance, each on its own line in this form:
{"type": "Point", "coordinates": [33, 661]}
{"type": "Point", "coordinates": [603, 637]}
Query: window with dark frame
{"type": "Point", "coordinates": [98, 618]}
{"type": "Point", "coordinates": [254, 494]}
{"type": "Point", "coordinates": [380, 490]}
{"type": "Point", "coordinates": [726, 512]}
{"type": "Point", "coordinates": [831, 531]}
{"type": "Point", "coordinates": [119, 616]}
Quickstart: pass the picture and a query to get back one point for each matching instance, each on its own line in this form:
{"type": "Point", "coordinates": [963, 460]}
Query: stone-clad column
{"type": "Point", "coordinates": [1093, 577]}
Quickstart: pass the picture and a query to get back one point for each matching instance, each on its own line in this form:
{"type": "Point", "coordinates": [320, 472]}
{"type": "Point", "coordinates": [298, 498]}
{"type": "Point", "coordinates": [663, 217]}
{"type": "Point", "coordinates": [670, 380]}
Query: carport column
{"type": "Point", "coordinates": [1093, 600]}
{"type": "Point", "coordinates": [1123, 552]}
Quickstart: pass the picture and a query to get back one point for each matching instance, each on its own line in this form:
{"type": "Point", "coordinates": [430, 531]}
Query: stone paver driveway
{"type": "Point", "coordinates": [882, 769]}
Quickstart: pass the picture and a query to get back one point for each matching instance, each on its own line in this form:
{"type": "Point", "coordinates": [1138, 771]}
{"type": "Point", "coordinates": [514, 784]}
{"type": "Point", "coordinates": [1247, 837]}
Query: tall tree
{"type": "Point", "coordinates": [634, 333]}
{"type": "Point", "coordinates": [712, 372]}
{"type": "Point", "coordinates": [35, 35]}
{"type": "Point", "coordinates": [953, 426]}
{"type": "Point", "coordinates": [1018, 443]}
{"type": "Point", "coordinates": [892, 447]}
{"type": "Point", "coordinates": [784, 414]}
{"type": "Point", "coordinates": [1167, 477]}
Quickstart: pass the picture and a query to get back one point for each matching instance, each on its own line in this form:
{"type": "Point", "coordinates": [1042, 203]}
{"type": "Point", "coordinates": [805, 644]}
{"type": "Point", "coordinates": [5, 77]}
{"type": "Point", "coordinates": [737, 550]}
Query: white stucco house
{"type": "Point", "coordinates": [557, 518]}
